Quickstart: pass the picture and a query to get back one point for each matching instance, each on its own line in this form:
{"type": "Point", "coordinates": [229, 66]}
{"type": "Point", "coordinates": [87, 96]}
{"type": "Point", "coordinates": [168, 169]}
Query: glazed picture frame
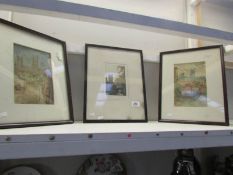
{"type": "Point", "coordinates": [114, 85]}
{"type": "Point", "coordinates": [36, 89]}
{"type": "Point", "coordinates": [193, 86]}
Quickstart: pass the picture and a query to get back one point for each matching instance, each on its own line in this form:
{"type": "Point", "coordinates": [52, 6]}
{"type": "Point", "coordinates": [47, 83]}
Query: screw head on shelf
{"type": "Point", "coordinates": [52, 138]}
{"type": "Point", "coordinates": [129, 135]}
{"type": "Point", "coordinates": [8, 138]}
{"type": "Point", "coordinates": [90, 136]}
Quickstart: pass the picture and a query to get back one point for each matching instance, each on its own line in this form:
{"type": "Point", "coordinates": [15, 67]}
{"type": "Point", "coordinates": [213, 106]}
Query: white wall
{"type": "Point", "coordinates": [217, 15]}
{"type": "Point", "coordinates": [77, 33]}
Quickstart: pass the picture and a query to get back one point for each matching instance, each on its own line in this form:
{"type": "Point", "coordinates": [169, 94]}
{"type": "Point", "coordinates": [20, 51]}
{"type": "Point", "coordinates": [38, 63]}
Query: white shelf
{"type": "Point", "coordinates": [82, 139]}
{"type": "Point", "coordinates": [102, 128]}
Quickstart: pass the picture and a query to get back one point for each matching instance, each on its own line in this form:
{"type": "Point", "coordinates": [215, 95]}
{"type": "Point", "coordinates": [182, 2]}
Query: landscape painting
{"type": "Point", "coordinates": [115, 79]}
{"type": "Point", "coordinates": [33, 82]}
{"type": "Point", "coordinates": [190, 89]}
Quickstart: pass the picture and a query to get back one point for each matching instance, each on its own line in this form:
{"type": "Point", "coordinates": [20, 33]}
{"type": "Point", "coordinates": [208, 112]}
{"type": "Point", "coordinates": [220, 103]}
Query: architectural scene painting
{"type": "Point", "coordinates": [190, 89]}
{"type": "Point", "coordinates": [33, 82]}
{"type": "Point", "coordinates": [115, 79]}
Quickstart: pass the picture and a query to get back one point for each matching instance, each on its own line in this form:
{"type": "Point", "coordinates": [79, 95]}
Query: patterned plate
{"type": "Point", "coordinates": [102, 165]}
{"type": "Point", "coordinates": [21, 170]}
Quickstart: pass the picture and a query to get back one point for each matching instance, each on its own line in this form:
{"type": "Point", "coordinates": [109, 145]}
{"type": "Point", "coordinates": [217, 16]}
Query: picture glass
{"type": "Point", "coordinates": [36, 84]}
{"type": "Point", "coordinates": [193, 86]}
{"type": "Point", "coordinates": [115, 85]}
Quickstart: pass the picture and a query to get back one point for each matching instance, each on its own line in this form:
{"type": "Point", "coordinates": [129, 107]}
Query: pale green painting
{"type": "Point", "coordinates": [33, 83]}
{"type": "Point", "coordinates": [190, 89]}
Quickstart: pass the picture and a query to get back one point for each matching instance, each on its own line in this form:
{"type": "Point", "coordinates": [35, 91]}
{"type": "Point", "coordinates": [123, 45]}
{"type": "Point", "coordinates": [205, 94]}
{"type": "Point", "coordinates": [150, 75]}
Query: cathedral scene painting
{"type": "Point", "coordinates": [190, 89]}
{"type": "Point", "coordinates": [33, 83]}
{"type": "Point", "coordinates": [115, 79]}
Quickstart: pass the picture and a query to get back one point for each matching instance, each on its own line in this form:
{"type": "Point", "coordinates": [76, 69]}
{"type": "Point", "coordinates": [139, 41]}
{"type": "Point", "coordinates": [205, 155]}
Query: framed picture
{"type": "Point", "coordinates": [33, 69]}
{"type": "Point", "coordinates": [193, 87]}
{"type": "Point", "coordinates": [115, 87]}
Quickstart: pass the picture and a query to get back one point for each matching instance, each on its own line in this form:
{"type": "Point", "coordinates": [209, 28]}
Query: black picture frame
{"type": "Point", "coordinates": [224, 93]}
{"type": "Point", "coordinates": [85, 119]}
{"type": "Point", "coordinates": [34, 33]}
